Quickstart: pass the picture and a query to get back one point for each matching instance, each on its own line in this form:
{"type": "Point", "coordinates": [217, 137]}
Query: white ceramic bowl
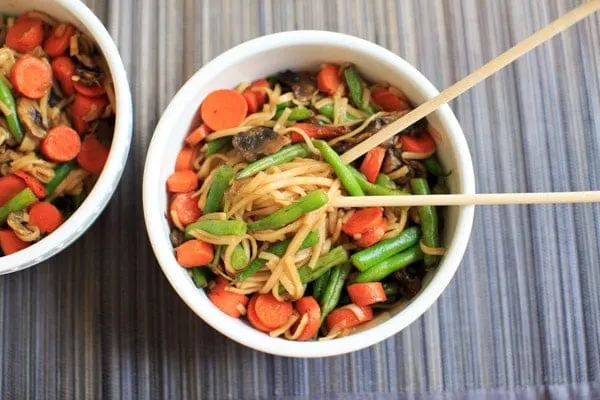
{"type": "Point", "coordinates": [302, 50]}
{"type": "Point", "coordinates": [75, 12]}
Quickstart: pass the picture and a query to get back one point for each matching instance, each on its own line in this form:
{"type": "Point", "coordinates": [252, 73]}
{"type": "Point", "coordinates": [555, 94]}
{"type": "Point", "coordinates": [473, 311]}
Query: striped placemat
{"type": "Point", "coordinates": [521, 319]}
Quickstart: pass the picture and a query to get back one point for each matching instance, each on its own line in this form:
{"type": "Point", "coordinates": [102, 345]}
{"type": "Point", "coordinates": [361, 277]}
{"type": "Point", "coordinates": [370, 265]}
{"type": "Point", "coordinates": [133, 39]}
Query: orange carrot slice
{"type": "Point", "coordinates": [186, 208]}
{"type": "Point", "coordinates": [63, 69]}
{"type": "Point", "coordinates": [308, 305]}
{"type": "Point", "coordinates": [373, 235]}
{"type": "Point", "coordinates": [371, 165]}
{"type": "Point", "coordinates": [343, 318]}
{"type": "Point", "coordinates": [59, 40]}
{"type": "Point", "coordinates": [182, 181]}
{"type": "Point", "coordinates": [36, 186]}
{"type": "Point", "coordinates": [363, 220]}
{"type": "Point", "coordinates": [223, 109]}
{"type": "Point", "coordinates": [25, 35]}
{"type": "Point", "coordinates": [10, 242]}
{"type": "Point", "coordinates": [10, 185]}
{"type": "Point", "coordinates": [31, 77]}
{"type": "Point", "coordinates": [61, 144]}
{"type": "Point", "coordinates": [45, 216]}
{"type": "Point", "coordinates": [194, 253]}
{"type": "Point", "coordinates": [93, 155]}
{"type": "Point", "coordinates": [420, 144]}
{"type": "Point", "coordinates": [365, 294]}
{"type": "Point", "coordinates": [227, 301]}
{"type": "Point", "coordinates": [329, 79]}
{"type": "Point", "coordinates": [271, 312]}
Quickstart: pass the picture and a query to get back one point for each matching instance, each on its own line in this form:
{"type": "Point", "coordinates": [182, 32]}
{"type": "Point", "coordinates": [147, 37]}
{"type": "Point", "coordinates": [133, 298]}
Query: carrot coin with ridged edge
{"type": "Point", "coordinates": [223, 109]}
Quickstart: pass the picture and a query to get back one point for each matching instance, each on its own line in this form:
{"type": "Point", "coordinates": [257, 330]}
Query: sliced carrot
{"type": "Point", "coordinates": [377, 90]}
{"type": "Point", "coordinates": [25, 35]}
{"type": "Point", "coordinates": [344, 317]}
{"type": "Point", "coordinates": [371, 165]}
{"type": "Point", "coordinates": [59, 40]}
{"type": "Point", "coordinates": [194, 253]}
{"type": "Point", "coordinates": [89, 91]}
{"type": "Point", "coordinates": [10, 185]}
{"type": "Point", "coordinates": [271, 312]}
{"type": "Point", "coordinates": [261, 96]}
{"type": "Point", "coordinates": [251, 100]}
{"type": "Point", "coordinates": [197, 135]}
{"type": "Point", "coordinates": [88, 108]}
{"type": "Point", "coordinates": [93, 155]}
{"type": "Point", "coordinates": [308, 305]}
{"type": "Point", "coordinates": [373, 235]}
{"type": "Point", "coordinates": [365, 294]}
{"type": "Point", "coordinates": [227, 301]}
{"type": "Point", "coordinates": [36, 186]}
{"type": "Point", "coordinates": [223, 109]}
{"type": "Point", "coordinates": [329, 79]}
{"type": "Point", "coordinates": [316, 131]}
{"type": "Point", "coordinates": [420, 144]}
{"type": "Point", "coordinates": [363, 220]}
{"type": "Point", "coordinates": [10, 242]}
{"type": "Point", "coordinates": [79, 124]}
{"type": "Point", "coordinates": [63, 69]}
{"type": "Point", "coordinates": [31, 77]}
{"type": "Point", "coordinates": [185, 159]}
{"type": "Point", "coordinates": [253, 318]}
{"type": "Point", "coordinates": [186, 208]}
{"type": "Point", "coordinates": [182, 181]}
{"type": "Point", "coordinates": [45, 216]}
{"type": "Point", "coordinates": [61, 144]}
{"type": "Point", "coordinates": [388, 101]}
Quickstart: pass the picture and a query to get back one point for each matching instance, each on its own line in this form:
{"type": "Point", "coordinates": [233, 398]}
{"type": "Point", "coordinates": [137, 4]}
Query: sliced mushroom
{"type": "Point", "coordinates": [18, 222]}
{"type": "Point", "coordinates": [30, 115]}
{"type": "Point", "coordinates": [410, 281]}
{"type": "Point", "coordinates": [303, 85]}
{"type": "Point", "coordinates": [258, 141]}
{"type": "Point", "coordinates": [4, 133]}
{"type": "Point", "coordinates": [391, 162]}
{"type": "Point", "coordinates": [89, 74]}
{"type": "Point", "coordinates": [418, 169]}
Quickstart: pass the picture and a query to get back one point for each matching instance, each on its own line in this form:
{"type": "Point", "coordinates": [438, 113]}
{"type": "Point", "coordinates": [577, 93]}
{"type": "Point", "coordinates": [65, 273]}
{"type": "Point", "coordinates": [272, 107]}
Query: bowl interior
{"type": "Point", "coordinates": [262, 57]}
{"type": "Point", "coordinates": [85, 21]}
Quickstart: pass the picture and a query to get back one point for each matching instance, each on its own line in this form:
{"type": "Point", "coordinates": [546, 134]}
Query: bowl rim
{"type": "Point", "coordinates": [221, 322]}
{"type": "Point", "coordinates": [108, 180]}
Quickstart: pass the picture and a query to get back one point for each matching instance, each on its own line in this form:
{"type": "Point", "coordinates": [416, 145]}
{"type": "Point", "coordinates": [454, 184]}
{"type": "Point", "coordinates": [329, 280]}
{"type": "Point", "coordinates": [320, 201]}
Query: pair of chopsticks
{"type": "Point", "coordinates": [539, 37]}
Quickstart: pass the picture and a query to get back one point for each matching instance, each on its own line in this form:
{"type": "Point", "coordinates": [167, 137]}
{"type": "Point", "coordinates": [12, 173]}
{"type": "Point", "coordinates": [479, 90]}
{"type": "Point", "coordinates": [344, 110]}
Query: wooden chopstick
{"type": "Point", "coordinates": [474, 78]}
{"type": "Point", "coordinates": [468, 199]}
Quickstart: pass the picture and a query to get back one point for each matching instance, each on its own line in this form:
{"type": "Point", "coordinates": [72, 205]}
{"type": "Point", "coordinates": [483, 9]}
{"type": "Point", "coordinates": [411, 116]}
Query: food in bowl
{"type": "Point", "coordinates": [252, 203]}
{"type": "Point", "coordinates": [58, 111]}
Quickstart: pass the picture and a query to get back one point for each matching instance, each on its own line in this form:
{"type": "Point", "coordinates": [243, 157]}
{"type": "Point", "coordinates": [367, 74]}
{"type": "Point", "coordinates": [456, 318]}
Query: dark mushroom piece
{"type": "Point", "coordinates": [258, 141]}
{"type": "Point", "coordinates": [303, 85]}
{"type": "Point", "coordinates": [410, 281]}
{"type": "Point", "coordinates": [391, 162]}
{"type": "Point", "coordinates": [30, 115]}
{"type": "Point", "coordinates": [176, 237]}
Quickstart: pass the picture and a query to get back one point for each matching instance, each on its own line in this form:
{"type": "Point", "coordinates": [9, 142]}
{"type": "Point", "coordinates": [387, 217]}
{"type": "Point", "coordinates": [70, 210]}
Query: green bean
{"type": "Point", "coordinates": [297, 114]}
{"type": "Point", "coordinates": [385, 181]}
{"type": "Point", "coordinates": [239, 258]}
{"type": "Point", "coordinates": [333, 291]}
{"type": "Point", "coordinates": [214, 146]}
{"type": "Point", "coordinates": [60, 173]}
{"type": "Point", "coordinates": [355, 86]}
{"type": "Point", "coordinates": [429, 221]}
{"type": "Point", "coordinates": [433, 166]}
{"type": "Point", "coordinates": [282, 106]}
{"type": "Point", "coordinates": [327, 110]}
{"type": "Point", "coordinates": [218, 228]}
{"type": "Point", "coordinates": [336, 256]}
{"type": "Point", "coordinates": [390, 265]}
{"type": "Point", "coordinates": [21, 200]}
{"type": "Point", "coordinates": [284, 155]}
{"type": "Point", "coordinates": [391, 289]}
{"type": "Point", "coordinates": [372, 189]}
{"type": "Point", "coordinates": [201, 276]}
{"type": "Point", "coordinates": [365, 259]}
{"type": "Point", "coordinates": [320, 284]}
{"type": "Point", "coordinates": [288, 214]}
{"type": "Point", "coordinates": [279, 250]}
{"type": "Point", "coordinates": [8, 102]}
{"type": "Point", "coordinates": [216, 192]}
{"type": "Point", "coordinates": [343, 173]}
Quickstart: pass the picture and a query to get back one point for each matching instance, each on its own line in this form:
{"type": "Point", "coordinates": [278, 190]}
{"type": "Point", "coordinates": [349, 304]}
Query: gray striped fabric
{"type": "Point", "coordinates": [521, 319]}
